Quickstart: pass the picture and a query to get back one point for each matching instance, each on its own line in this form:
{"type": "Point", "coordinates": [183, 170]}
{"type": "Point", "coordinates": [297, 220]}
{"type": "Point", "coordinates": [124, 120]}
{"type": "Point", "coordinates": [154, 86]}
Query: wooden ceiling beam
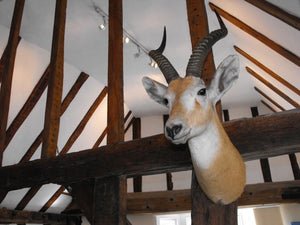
{"type": "Point", "coordinates": [80, 127]}
{"type": "Point", "coordinates": [53, 198]}
{"type": "Point", "coordinates": [277, 12]}
{"type": "Point", "coordinates": [104, 132]}
{"type": "Point", "coordinates": [54, 95]}
{"type": "Point", "coordinates": [65, 104]}
{"type": "Point", "coordinates": [147, 155]}
{"type": "Point", "coordinates": [268, 42]}
{"type": "Point", "coordinates": [20, 217]}
{"type": "Point", "coordinates": [31, 101]}
{"type": "Point", "coordinates": [28, 196]}
{"type": "Point", "coordinates": [270, 99]}
{"type": "Point", "coordinates": [272, 87]}
{"type": "Point", "coordinates": [8, 69]}
{"type": "Point", "coordinates": [266, 69]}
{"type": "Point", "coordinates": [32, 191]}
{"type": "Point", "coordinates": [4, 58]}
{"type": "Point", "coordinates": [180, 200]}
{"type": "Point", "coordinates": [268, 106]}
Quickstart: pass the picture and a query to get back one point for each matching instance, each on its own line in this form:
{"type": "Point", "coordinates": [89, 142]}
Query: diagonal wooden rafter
{"type": "Point", "coordinates": [54, 95]}
{"type": "Point", "coordinates": [7, 73]}
{"type": "Point", "coordinates": [31, 101]}
{"type": "Point", "coordinates": [277, 12]}
{"type": "Point", "coordinates": [78, 130]}
{"type": "Point", "coordinates": [270, 99]}
{"type": "Point", "coordinates": [64, 105]}
{"type": "Point", "coordinates": [62, 188]}
{"type": "Point", "coordinates": [4, 58]}
{"type": "Point", "coordinates": [268, 106]}
{"type": "Point", "coordinates": [104, 132]}
{"type": "Point", "coordinates": [272, 87]}
{"type": "Point", "coordinates": [66, 102]}
{"type": "Point", "coordinates": [271, 44]}
{"type": "Point", "coordinates": [266, 69]}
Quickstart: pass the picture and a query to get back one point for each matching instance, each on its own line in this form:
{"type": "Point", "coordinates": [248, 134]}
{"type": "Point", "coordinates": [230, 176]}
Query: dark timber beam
{"type": "Point", "coordinates": [270, 99]}
{"type": "Point", "coordinates": [268, 106]}
{"type": "Point", "coordinates": [277, 12]}
{"type": "Point", "coordinates": [110, 192]}
{"type": "Point", "coordinates": [268, 42]}
{"type": "Point", "coordinates": [31, 101]}
{"type": "Point", "coordinates": [203, 210]}
{"type": "Point", "coordinates": [267, 70]}
{"type": "Point", "coordinates": [20, 217]}
{"type": "Point", "coordinates": [260, 137]}
{"type": "Point", "coordinates": [54, 96]}
{"type": "Point", "coordinates": [64, 105]}
{"type": "Point", "coordinates": [180, 200]}
{"type": "Point", "coordinates": [8, 69]}
{"type": "Point", "coordinates": [4, 58]}
{"type": "Point", "coordinates": [136, 134]}
{"type": "Point", "coordinates": [76, 133]}
{"type": "Point", "coordinates": [264, 163]}
{"type": "Point", "coordinates": [272, 87]}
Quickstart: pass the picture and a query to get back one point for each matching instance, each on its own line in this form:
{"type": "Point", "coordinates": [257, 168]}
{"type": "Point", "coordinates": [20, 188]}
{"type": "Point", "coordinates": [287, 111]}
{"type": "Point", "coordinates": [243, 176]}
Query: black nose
{"type": "Point", "coordinates": [173, 131]}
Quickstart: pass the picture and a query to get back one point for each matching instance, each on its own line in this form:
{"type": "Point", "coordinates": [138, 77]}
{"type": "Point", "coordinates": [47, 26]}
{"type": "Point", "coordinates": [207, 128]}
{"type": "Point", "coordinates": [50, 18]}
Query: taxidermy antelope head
{"type": "Point", "coordinates": [219, 167]}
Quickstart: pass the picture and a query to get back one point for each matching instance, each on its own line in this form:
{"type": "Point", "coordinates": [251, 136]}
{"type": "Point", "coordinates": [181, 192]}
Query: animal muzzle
{"type": "Point", "coordinates": [173, 130]}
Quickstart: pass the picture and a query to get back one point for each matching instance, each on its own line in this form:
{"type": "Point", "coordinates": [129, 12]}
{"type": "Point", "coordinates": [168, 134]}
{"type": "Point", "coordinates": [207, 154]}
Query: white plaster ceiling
{"type": "Point", "coordinates": [86, 44]}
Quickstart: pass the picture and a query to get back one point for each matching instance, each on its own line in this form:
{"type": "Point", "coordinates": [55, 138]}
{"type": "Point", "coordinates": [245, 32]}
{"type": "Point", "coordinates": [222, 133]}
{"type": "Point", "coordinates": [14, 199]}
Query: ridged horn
{"type": "Point", "coordinates": [200, 51]}
{"type": "Point", "coordinates": [163, 63]}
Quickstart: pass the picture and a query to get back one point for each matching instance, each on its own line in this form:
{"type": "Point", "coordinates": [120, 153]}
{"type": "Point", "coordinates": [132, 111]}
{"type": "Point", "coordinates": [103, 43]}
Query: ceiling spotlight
{"type": "Point", "coordinates": [102, 26]}
{"type": "Point", "coordinates": [126, 40]}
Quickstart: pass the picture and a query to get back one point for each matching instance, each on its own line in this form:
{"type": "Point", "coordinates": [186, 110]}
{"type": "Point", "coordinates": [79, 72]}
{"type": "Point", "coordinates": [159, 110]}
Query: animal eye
{"type": "Point", "coordinates": [202, 91]}
{"type": "Point", "coordinates": [166, 102]}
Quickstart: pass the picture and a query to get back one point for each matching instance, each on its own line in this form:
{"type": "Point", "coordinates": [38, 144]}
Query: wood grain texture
{"type": "Point", "coordinates": [180, 200]}
{"type": "Point", "coordinates": [66, 102]}
{"type": "Point", "coordinates": [16, 216]}
{"type": "Point", "coordinates": [265, 40]}
{"type": "Point", "coordinates": [255, 138]}
{"type": "Point", "coordinates": [54, 95]}
{"type": "Point", "coordinates": [8, 69]}
{"type": "Point", "coordinates": [277, 12]}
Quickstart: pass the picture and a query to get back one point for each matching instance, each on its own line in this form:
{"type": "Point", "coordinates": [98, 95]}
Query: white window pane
{"type": "Point", "coordinates": [167, 221]}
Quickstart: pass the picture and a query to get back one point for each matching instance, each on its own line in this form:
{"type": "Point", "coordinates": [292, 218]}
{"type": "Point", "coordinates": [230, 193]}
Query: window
{"type": "Point", "coordinates": [168, 219]}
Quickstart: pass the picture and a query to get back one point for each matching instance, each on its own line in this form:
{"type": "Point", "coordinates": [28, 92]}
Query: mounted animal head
{"type": "Point", "coordinates": [191, 103]}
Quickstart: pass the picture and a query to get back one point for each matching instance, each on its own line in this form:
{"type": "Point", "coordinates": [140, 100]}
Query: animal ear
{"type": "Point", "coordinates": [225, 76]}
{"type": "Point", "coordinates": [155, 90]}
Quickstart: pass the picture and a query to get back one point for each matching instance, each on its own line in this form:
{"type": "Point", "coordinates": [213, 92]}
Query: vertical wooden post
{"type": "Point", "coordinates": [136, 134]}
{"type": "Point", "coordinates": [264, 163]}
{"type": "Point", "coordinates": [204, 211]}
{"type": "Point", "coordinates": [8, 69]}
{"type": "Point", "coordinates": [54, 96]}
{"type": "Point", "coordinates": [110, 193]}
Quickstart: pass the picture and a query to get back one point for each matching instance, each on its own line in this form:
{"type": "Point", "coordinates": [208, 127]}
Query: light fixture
{"type": "Point", "coordinates": [126, 40]}
{"type": "Point", "coordinates": [153, 63]}
{"type": "Point", "coordinates": [102, 26]}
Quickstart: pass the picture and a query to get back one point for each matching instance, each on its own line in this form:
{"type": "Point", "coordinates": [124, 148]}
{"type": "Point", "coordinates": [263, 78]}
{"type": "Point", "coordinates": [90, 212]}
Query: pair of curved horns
{"type": "Point", "coordinates": [196, 61]}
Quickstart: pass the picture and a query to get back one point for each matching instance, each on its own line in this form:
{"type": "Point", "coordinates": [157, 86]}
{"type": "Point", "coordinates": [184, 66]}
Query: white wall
{"type": "Point", "coordinates": [268, 216]}
{"type": "Point", "coordinates": [290, 213]}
